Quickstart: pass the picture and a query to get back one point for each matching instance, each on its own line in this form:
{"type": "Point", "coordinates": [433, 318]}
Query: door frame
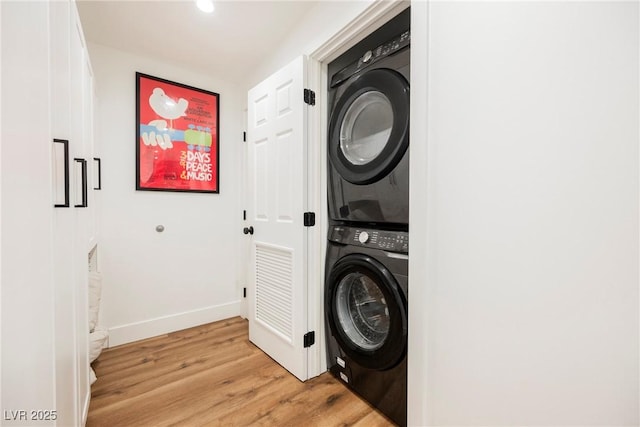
{"type": "Point", "coordinates": [372, 18]}
{"type": "Point", "coordinates": [245, 245]}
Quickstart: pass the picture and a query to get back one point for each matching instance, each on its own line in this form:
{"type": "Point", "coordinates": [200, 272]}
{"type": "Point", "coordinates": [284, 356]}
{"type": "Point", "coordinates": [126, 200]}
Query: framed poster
{"type": "Point", "coordinates": [177, 137]}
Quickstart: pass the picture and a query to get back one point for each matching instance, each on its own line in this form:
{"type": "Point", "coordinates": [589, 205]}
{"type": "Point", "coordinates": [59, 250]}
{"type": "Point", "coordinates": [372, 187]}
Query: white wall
{"type": "Point", "coordinates": [315, 28]}
{"type": "Point", "coordinates": [28, 372]}
{"type": "Point", "coordinates": [530, 270]}
{"type": "Point", "coordinates": [154, 282]}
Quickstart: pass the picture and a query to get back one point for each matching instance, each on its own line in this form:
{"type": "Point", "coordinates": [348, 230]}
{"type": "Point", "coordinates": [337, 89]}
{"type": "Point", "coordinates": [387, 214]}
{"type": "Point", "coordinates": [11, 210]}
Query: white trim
{"type": "Point", "coordinates": [161, 325]}
{"type": "Point", "coordinates": [244, 248]}
{"type": "Point", "coordinates": [420, 171]}
{"type": "Point", "coordinates": [316, 202]}
{"type": "Point", "coordinates": [378, 13]}
{"type": "Point", "coordinates": [1, 145]}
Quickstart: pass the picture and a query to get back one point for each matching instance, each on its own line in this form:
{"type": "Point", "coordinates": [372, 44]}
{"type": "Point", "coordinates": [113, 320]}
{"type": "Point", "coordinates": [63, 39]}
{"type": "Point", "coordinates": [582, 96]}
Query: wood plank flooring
{"type": "Point", "coordinates": [213, 375]}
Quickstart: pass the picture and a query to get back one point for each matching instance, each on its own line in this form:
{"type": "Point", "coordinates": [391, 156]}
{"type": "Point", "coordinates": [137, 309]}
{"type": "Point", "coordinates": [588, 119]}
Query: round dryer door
{"type": "Point", "coordinates": [367, 312]}
{"type": "Point", "coordinates": [369, 129]}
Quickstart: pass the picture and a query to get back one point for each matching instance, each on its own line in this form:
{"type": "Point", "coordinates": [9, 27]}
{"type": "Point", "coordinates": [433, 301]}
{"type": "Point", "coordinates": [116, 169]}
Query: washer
{"type": "Point", "coordinates": [368, 135]}
{"type": "Point", "coordinates": [366, 314]}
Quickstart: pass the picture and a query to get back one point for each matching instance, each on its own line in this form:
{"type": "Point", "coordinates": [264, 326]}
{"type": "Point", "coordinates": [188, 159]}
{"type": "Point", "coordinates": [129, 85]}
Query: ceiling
{"type": "Point", "coordinates": [228, 43]}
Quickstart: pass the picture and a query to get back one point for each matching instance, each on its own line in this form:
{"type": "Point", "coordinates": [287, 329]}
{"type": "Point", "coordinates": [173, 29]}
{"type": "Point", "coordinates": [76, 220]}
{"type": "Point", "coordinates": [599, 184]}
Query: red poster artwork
{"type": "Point", "coordinates": [177, 136]}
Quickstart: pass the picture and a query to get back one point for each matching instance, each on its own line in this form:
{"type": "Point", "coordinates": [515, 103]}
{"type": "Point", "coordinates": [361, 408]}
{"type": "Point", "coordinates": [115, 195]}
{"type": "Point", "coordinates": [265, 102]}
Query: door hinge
{"type": "Point", "coordinates": [309, 97]}
{"type": "Point", "coordinates": [309, 219]}
{"type": "Point", "coordinates": [309, 339]}
{"type": "Point", "coordinates": [244, 137]}
{"type": "Point", "coordinates": [244, 292]}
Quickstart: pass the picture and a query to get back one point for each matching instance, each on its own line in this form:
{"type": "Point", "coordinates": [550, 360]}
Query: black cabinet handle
{"type": "Point", "coordinates": [65, 152]}
{"type": "Point", "coordinates": [248, 230]}
{"type": "Point", "coordinates": [83, 165]}
{"type": "Point", "coordinates": [98, 163]}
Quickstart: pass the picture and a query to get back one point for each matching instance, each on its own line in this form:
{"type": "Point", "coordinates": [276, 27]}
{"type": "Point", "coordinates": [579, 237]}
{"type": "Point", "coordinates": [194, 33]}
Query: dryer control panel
{"type": "Point", "coordinates": [383, 50]}
{"type": "Point", "coordinates": [372, 56]}
{"type": "Point", "coordinates": [392, 241]}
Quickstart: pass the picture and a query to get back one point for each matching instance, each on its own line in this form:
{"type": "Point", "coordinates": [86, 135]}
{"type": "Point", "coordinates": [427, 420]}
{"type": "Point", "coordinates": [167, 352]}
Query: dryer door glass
{"type": "Point", "coordinates": [369, 126]}
{"type": "Point", "coordinates": [362, 311]}
{"type": "Point", "coordinates": [366, 127]}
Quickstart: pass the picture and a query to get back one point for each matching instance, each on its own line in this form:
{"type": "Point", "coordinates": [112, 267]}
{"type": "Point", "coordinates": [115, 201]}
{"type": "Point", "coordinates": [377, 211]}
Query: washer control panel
{"type": "Point", "coordinates": [392, 241]}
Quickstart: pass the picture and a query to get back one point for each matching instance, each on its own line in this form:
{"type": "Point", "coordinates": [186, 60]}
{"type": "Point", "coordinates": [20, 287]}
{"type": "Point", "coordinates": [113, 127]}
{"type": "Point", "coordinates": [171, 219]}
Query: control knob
{"type": "Point", "coordinates": [367, 56]}
{"type": "Point", "coordinates": [363, 237]}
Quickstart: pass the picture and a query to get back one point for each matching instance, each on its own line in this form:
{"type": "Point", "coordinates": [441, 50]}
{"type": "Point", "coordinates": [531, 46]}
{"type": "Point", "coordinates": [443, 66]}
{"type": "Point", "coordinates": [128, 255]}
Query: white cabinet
{"type": "Point", "coordinates": [64, 224]}
{"type": "Point", "coordinates": [47, 94]}
{"type": "Point", "coordinates": [81, 143]}
{"type": "Point", "coordinates": [26, 229]}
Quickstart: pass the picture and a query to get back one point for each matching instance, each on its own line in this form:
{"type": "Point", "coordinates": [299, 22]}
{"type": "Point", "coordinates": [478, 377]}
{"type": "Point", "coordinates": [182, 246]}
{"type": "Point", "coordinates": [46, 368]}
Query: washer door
{"type": "Point", "coordinates": [369, 128]}
{"type": "Point", "coordinates": [367, 312]}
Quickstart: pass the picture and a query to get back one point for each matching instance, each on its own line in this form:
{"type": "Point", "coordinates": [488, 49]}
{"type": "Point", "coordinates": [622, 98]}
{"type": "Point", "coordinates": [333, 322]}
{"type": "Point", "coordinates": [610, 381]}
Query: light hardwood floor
{"type": "Point", "coordinates": [213, 375]}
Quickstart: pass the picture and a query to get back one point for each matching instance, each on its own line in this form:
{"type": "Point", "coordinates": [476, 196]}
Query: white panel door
{"type": "Point", "coordinates": [277, 201]}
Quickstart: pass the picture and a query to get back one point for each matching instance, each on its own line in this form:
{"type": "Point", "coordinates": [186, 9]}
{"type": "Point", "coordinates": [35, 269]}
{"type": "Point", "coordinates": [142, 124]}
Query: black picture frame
{"type": "Point", "coordinates": [177, 137]}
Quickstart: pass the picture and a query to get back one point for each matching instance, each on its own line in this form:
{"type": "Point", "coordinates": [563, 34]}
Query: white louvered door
{"type": "Point", "coordinates": [277, 183]}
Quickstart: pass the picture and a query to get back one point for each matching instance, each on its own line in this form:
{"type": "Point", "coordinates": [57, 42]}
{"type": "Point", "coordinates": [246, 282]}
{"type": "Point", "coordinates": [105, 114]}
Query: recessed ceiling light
{"type": "Point", "coordinates": [205, 5]}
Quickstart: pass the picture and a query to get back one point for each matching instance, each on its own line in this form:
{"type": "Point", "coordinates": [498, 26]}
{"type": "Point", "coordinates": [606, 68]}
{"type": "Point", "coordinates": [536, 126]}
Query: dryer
{"type": "Point", "coordinates": [368, 135]}
{"type": "Point", "coordinates": [366, 314]}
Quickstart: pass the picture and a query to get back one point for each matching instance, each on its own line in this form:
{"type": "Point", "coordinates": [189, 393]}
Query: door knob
{"type": "Point", "coordinates": [248, 230]}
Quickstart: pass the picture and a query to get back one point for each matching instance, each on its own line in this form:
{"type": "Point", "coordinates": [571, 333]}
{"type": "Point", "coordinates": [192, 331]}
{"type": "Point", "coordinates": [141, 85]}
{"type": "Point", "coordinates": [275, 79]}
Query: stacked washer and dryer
{"type": "Point", "coordinates": [366, 292]}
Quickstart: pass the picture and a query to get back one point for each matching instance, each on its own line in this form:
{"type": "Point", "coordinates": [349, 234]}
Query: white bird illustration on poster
{"type": "Point", "coordinates": [166, 107]}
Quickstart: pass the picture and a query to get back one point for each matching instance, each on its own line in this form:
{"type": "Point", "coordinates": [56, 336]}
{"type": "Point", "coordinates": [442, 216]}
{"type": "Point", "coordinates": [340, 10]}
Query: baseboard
{"type": "Point", "coordinates": [162, 325]}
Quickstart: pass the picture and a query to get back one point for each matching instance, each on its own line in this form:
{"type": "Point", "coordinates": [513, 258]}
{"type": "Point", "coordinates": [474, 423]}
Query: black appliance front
{"type": "Point", "coordinates": [366, 315]}
{"type": "Point", "coordinates": [368, 135]}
